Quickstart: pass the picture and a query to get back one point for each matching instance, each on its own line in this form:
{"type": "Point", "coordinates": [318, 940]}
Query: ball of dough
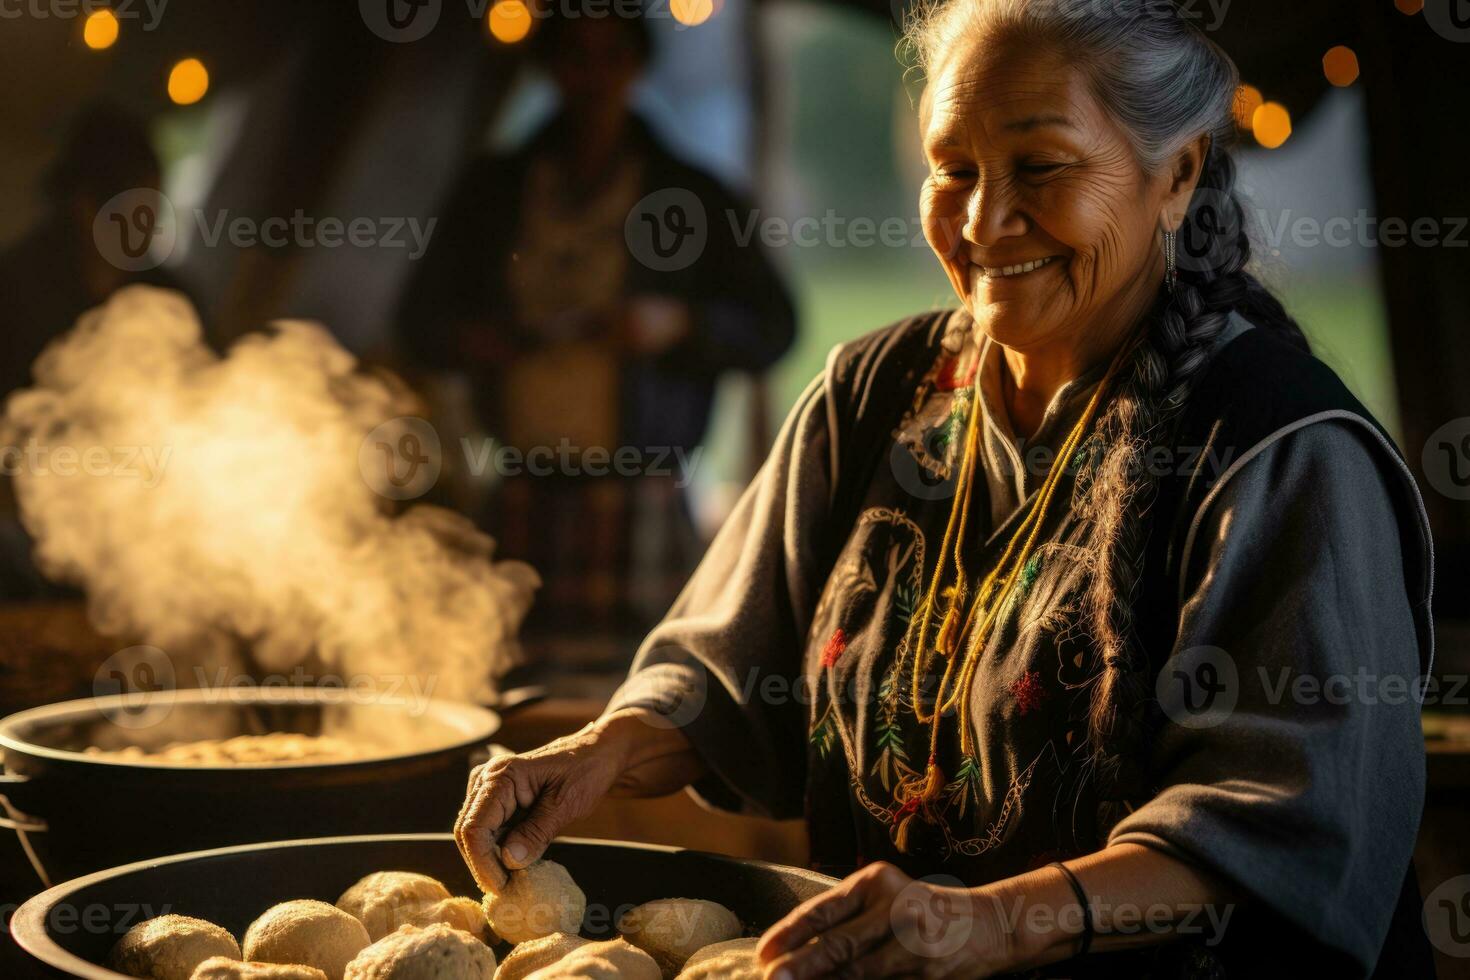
{"type": "Point", "coordinates": [219, 968]}
{"type": "Point", "coordinates": [535, 902]}
{"type": "Point", "coordinates": [170, 947]}
{"type": "Point", "coordinates": [385, 900]}
{"type": "Point", "coordinates": [531, 956]}
{"type": "Point", "coordinates": [614, 959]}
{"type": "Point", "coordinates": [673, 929]}
{"type": "Point", "coordinates": [436, 952]}
{"type": "Point", "coordinates": [464, 914]}
{"type": "Point", "coordinates": [308, 932]}
{"type": "Point", "coordinates": [732, 960]}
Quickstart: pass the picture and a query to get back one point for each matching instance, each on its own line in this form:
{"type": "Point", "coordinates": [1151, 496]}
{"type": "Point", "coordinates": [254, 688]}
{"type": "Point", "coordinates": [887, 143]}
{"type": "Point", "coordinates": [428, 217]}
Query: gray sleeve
{"type": "Point", "coordinates": [1292, 758]}
{"type": "Point", "coordinates": [725, 664]}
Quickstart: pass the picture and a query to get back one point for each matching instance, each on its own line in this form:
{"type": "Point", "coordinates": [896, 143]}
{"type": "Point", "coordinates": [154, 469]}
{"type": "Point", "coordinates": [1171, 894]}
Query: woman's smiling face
{"type": "Point", "coordinates": [1035, 203]}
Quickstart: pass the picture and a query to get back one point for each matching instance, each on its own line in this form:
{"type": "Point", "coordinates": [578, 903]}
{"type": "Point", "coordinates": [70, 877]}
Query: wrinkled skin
{"type": "Point", "coordinates": [1026, 164]}
{"type": "Point", "coordinates": [881, 923]}
{"type": "Point", "coordinates": [523, 801]}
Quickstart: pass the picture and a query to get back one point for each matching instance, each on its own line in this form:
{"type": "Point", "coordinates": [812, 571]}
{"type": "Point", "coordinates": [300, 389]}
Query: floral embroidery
{"type": "Point", "coordinates": [823, 734]}
{"type": "Point", "coordinates": [834, 648]}
{"type": "Point", "coordinates": [1028, 692]}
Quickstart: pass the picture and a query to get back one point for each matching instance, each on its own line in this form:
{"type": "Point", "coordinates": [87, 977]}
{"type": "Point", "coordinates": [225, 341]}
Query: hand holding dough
{"type": "Point", "coordinates": [170, 947]}
{"type": "Point", "coordinates": [536, 901]}
{"type": "Point", "coordinates": [674, 929]}
{"type": "Point", "coordinates": [308, 932]}
{"type": "Point", "coordinates": [436, 952]}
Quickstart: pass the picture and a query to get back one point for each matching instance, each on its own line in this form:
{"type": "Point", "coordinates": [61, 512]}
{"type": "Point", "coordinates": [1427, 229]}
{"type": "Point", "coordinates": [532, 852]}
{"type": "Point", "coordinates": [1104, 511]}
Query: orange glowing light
{"type": "Point", "coordinates": [1248, 99]}
{"type": "Point", "coordinates": [692, 13]}
{"type": "Point", "coordinates": [99, 30]}
{"type": "Point", "coordinates": [1271, 124]}
{"type": "Point", "coordinates": [509, 21]}
{"type": "Point", "coordinates": [188, 81]}
{"type": "Point", "coordinates": [1341, 66]}
{"type": "Point", "coordinates": [1409, 7]}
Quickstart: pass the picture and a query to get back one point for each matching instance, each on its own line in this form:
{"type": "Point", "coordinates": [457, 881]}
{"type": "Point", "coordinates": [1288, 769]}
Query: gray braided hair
{"type": "Point", "coordinates": [1165, 84]}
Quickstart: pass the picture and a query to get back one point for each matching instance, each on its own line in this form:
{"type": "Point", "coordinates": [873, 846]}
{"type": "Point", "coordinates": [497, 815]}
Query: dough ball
{"type": "Point", "coordinates": [536, 902]}
{"type": "Point", "coordinates": [673, 929]}
{"type": "Point", "coordinates": [531, 956]}
{"type": "Point", "coordinates": [385, 900]}
{"type": "Point", "coordinates": [732, 960]}
{"type": "Point", "coordinates": [170, 947]}
{"type": "Point", "coordinates": [219, 968]}
{"type": "Point", "coordinates": [614, 959]}
{"type": "Point", "coordinates": [464, 914]}
{"type": "Point", "coordinates": [436, 952]}
{"type": "Point", "coordinates": [308, 932]}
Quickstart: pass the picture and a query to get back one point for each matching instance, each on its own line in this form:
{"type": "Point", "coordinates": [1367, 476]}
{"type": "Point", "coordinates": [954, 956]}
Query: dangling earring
{"type": "Point", "coordinates": [1171, 261]}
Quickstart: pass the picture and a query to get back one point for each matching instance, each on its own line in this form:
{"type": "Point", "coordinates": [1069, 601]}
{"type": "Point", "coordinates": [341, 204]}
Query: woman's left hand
{"type": "Point", "coordinates": [881, 923]}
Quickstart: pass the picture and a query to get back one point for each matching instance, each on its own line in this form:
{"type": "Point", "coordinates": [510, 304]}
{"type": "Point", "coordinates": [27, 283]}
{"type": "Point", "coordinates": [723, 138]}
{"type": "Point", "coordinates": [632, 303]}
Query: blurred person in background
{"type": "Point", "coordinates": [58, 271]}
{"type": "Point", "coordinates": [578, 349]}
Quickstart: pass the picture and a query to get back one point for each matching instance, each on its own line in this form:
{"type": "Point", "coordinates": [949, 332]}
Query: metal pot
{"type": "Point", "coordinates": [72, 927]}
{"type": "Point", "coordinates": [78, 812]}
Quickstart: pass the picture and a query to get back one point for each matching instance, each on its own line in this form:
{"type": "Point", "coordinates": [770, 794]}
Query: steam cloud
{"type": "Point", "coordinates": [212, 505]}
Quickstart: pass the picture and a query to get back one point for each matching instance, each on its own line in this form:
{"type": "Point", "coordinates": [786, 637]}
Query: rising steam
{"type": "Point", "coordinates": [211, 505]}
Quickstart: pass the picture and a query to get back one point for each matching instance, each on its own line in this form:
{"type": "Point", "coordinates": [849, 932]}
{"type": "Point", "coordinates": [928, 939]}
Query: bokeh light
{"type": "Point", "coordinates": [1271, 124]}
{"type": "Point", "coordinates": [1409, 7]}
{"type": "Point", "coordinates": [1341, 66]}
{"type": "Point", "coordinates": [1248, 99]}
{"type": "Point", "coordinates": [99, 30]}
{"type": "Point", "coordinates": [509, 21]}
{"type": "Point", "coordinates": [188, 81]}
{"type": "Point", "coordinates": [692, 13]}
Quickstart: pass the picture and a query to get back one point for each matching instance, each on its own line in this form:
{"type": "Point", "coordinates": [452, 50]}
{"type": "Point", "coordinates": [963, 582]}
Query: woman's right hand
{"type": "Point", "coordinates": [516, 804]}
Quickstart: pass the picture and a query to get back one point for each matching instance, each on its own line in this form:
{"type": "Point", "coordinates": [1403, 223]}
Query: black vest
{"type": "Point", "coordinates": [1256, 386]}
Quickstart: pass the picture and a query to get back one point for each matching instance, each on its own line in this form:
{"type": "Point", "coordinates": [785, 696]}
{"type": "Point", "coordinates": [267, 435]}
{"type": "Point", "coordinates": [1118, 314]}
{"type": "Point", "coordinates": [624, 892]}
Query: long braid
{"type": "Point", "coordinates": [1178, 347]}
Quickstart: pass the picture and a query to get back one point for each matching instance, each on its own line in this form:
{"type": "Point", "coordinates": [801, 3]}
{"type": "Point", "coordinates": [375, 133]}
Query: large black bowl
{"type": "Point", "coordinates": [88, 812]}
{"type": "Point", "coordinates": [71, 927]}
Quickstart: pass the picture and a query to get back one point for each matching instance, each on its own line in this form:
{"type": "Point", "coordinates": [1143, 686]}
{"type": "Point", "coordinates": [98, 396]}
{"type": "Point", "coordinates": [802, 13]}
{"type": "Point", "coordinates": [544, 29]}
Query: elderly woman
{"type": "Point", "coordinates": [1082, 623]}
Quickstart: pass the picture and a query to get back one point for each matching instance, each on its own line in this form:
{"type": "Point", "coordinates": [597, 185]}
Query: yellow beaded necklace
{"type": "Point", "coordinates": [959, 627]}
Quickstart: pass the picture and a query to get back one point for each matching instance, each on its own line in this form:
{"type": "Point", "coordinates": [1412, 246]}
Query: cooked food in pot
{"type": "Point", "coordinates": [732, 960]}
{"type": "Point", "coordinates": [531, 956]}
{"type": "Point", "coordinates": [308, 932]}
{"type": "Point", "coordinates": [170, 947]}
{"type": "Point", "coordinates": [436, 952]}
{"type": "Point", "coordinates": [242, 750]}
{"type": "Point", "coordinates": [674, 929]}
{"type": "Point", "coordinates": [613, 959]}
{"type": "Point", "coordinates": [537, 901]}
{"type": "Point", "coordinates": [385, 900]}
{"type": "Point", "coordinates": [219, 968]}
